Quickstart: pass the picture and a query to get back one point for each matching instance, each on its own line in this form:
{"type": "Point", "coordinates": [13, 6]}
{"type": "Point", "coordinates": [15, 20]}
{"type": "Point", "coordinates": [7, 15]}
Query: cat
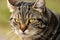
{"type": "Point", "coordinates": [33, 20]}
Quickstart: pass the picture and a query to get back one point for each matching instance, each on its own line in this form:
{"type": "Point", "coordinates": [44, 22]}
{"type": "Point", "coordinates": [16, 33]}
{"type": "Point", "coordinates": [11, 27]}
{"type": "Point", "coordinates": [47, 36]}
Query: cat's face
{"type": "Point", "coordinates": [26, 20]}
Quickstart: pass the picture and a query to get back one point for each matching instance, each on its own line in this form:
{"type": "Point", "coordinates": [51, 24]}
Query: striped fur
{"type": "Point", "coordinates": [33, 22]}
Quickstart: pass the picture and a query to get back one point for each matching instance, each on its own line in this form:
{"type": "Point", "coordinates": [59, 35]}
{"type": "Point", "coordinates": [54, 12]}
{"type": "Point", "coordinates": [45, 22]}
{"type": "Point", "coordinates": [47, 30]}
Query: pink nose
{"type": "Point", "coordinates": [23, 27]}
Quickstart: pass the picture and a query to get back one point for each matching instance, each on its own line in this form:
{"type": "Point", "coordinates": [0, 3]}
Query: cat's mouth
{"type": "Point", "coordinates": [26, 33]}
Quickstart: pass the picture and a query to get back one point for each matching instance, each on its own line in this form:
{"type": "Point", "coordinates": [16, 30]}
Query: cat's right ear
{"type": "Point", "coordinates": [39, 5]}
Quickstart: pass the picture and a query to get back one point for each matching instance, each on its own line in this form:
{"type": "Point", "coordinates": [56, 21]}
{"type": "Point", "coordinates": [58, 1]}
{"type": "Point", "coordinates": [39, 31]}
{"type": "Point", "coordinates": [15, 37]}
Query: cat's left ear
{"type": "Point", "coordinates": [39, 5]}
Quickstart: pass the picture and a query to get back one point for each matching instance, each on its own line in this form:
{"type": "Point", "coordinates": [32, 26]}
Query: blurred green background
{"type": "Point", "coordinates": [5, 14]}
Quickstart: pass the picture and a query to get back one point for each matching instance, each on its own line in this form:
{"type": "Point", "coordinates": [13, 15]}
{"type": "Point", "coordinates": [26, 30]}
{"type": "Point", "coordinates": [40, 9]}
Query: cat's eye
{"type": "Point", "coordinates": [17, 20]}
{"type": "Point", "coordinates": [32, 20]}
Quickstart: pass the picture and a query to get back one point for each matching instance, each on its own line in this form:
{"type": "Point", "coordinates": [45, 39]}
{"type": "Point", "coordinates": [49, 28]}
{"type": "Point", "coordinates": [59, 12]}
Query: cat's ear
{"type": "Point", "coordinates": [39, 5]}
{"type": "Point", "coordinates": [12, 4]}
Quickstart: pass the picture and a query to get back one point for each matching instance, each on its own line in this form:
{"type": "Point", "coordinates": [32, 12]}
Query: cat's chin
{"type": "Point", "coordinates": [25, 34]}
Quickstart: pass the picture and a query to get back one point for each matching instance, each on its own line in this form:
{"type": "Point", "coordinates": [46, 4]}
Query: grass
{"type": "Point", "coordinates": [4, 13]}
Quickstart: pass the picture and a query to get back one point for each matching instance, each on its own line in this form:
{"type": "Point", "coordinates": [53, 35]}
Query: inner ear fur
{"type": "Point", "coordinates": [39, 5]}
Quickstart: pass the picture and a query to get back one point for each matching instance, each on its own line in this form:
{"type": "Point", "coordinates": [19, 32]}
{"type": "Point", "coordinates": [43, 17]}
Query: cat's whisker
{"type": "Point", "coordinates": [13, 37]}
{"type": "Point", "coordinates": [10, 32]}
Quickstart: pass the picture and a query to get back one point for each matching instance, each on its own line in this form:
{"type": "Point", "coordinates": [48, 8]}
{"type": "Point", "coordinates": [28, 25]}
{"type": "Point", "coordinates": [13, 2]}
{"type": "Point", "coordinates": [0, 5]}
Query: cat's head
{"type": "Point", "coordinates": [29, 18]}
{"type": "Point", "coordinates": [38, 5]}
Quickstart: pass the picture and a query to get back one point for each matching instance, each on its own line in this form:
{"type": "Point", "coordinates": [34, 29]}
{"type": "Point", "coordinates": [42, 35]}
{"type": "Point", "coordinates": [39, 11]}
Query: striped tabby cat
{"type": "Point", "coordinates": [33, 21]}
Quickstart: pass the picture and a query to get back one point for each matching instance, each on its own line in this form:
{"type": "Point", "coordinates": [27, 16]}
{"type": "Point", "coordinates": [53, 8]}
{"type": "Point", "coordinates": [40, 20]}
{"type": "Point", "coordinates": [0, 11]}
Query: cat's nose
{"type": "Point", "coordinates": [23, 27]}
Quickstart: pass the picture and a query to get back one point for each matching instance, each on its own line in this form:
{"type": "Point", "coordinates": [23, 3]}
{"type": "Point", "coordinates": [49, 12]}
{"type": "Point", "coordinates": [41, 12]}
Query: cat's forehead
{"type": "Point", "coordinates": [25, 4]}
